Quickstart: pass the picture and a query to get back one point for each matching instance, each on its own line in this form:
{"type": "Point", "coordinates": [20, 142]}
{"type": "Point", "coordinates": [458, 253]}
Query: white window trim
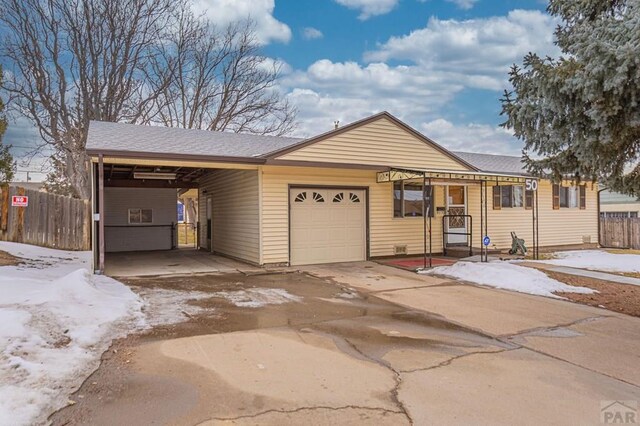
{"type": "Point", "coordinates": [524, 197]}
{"type": "Point", "coordinates": [140, 215]}
{"type": "Point", "coordinates": [576, 190]}
{"type": "Point", "coordinates": [393, 198]}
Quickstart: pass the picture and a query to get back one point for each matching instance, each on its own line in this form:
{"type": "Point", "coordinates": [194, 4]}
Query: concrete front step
{"type": "Point", "coordinates": [463, 251]}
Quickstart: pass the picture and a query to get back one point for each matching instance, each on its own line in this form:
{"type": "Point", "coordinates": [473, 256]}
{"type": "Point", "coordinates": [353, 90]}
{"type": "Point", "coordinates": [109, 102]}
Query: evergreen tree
{"type": "Point", "coordinates": [579, 114]}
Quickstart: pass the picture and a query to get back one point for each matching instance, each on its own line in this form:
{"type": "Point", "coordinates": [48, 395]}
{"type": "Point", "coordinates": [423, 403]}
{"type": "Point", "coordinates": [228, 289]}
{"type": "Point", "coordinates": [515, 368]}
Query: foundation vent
{"type": "Point", "coordinates": [586, 239]}
{"type": "Point", "coordinates": [400, 249]}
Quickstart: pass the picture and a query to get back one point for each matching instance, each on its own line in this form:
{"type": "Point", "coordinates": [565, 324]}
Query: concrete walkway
{"type": "Point", "coordinates": [603, 276]}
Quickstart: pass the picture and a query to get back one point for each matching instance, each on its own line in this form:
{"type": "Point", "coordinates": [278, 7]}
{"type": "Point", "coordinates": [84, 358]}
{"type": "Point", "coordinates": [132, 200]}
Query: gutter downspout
{"type": "Point", "coordinates": [599, 191]}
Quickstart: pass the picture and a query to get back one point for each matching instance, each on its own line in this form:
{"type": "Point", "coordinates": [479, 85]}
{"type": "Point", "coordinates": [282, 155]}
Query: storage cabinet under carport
{"type": "Point", "coordinates": [140, 219]}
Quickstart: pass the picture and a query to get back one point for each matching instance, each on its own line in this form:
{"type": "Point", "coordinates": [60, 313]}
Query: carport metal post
{"type": "Point", "coordinates": [481, 222]}
{"type": "Point", "coordinates": [424, 221]}
{"type": "Point", "coordinates": [101, 214]}
{"type": "Point", "coordinates": [431, 202]}
{"type": "Point", "coordinates": [486, 221]}
{"type": "Point", "coordinates": [534, 222]}
{"type": "Point", "coordinates": [426, 211]}
{"type": "Point", "coordinates": [537, 251]}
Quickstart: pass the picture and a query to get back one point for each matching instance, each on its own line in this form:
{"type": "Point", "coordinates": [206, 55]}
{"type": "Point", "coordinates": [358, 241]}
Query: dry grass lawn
{"type": "Point", "coordinates": [7, 260]}
{"type": "Point", "coordinates": [623, 251]}
{"type": "Point", "coordinates": [623, 298]}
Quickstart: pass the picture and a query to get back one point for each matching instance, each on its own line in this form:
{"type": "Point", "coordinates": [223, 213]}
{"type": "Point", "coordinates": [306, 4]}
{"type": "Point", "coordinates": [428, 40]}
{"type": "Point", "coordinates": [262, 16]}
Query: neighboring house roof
{"type": "Point", "coordinates": [36, 186]}
{"type": "Point", "coordinates": [609, 197]}
{"type": "Point", "coordinates": [494, 163]}
{"type": "Point", "coordinates": [130, 138]}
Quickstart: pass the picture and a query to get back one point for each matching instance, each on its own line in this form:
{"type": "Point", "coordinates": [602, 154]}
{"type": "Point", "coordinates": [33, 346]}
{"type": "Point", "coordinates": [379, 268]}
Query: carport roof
{"type": "Point", "coordinates": [130, 138]}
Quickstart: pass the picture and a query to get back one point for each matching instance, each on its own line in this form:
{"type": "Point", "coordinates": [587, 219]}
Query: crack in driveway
{"type": "Point", "coordinates": [300, 409]}
{"type": "Point", "coordinates": [398, 380]}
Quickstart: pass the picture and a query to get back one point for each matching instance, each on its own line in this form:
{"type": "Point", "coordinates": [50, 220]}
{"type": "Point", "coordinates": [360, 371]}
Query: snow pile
{"type": "Point", "coordinates": [257, 297]}
{"type": "Point", "coordinates": [597, 259]}
{"type": "Point", "coordinates": [56, 319]}
{"type": "Point", "coordinates": [507, 276]}
{"type": "Point", "coordinates": [164, 306]}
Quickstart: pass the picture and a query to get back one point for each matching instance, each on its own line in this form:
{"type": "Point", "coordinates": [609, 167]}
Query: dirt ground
{"type": "Point", "coordinates": [7, 260]}
{"type": "Point", "coordinates": [623, 298]}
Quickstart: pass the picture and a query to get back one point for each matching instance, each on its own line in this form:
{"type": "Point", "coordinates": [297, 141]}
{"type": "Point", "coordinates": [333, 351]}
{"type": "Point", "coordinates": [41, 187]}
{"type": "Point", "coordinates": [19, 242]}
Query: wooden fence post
{"type": "Point", "coordinates": [4, 208]}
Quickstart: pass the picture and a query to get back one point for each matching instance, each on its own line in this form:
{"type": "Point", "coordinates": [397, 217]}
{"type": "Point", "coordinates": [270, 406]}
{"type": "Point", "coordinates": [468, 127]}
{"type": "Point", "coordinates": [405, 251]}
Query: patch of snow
{"type": "Point", "coordinates": [164, 306]}
{"type": "Point", "coordinates": [507, 276]}
{"type": "Point", "coordinates": [348, 295]}
{"type": "Point", "coordinates": [56, 319]}
{"type": "Point", "coordinates": [599, 260]}
{"type": "Point", "coordinates": [257, 297]}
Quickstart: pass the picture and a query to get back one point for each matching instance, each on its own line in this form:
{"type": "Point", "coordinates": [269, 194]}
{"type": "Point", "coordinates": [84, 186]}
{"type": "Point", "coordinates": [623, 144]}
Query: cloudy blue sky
{"type": "Point", "coordinates": [439, 65]}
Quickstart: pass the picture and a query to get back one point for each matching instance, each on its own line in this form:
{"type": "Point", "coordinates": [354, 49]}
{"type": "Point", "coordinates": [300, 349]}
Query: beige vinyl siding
{"type": "Point", "coordinates": [378, 143]}
{"type": "Point", "coordinates": [385, 230]}
{"type": "Point", "coordinates": [235, 213]}
{"type": "Point", "coordinates": [565, 226]}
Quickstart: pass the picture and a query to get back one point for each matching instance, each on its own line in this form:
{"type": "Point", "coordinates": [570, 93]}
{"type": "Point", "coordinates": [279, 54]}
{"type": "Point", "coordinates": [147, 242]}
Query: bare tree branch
{"type": "Point", "coordinates": [136, 61]}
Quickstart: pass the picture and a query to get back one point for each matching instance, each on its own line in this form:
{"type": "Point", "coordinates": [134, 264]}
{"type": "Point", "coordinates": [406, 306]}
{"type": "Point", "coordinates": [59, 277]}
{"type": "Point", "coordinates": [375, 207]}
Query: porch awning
{"type": "Point", "coordinates": [398, 174]}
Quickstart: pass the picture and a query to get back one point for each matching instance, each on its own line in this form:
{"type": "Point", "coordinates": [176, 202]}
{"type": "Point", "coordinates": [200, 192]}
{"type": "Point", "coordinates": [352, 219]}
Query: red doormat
{"type": "Point", "coordinates": [419, 262]}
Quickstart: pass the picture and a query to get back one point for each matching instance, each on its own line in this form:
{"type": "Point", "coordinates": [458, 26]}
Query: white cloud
{"type": "Point", "coordinates": [310, 33]}
{"type": "Point", "coordinates": [472, 137]}
{"type": "Point", "coordinates": [329, 91]}
{"type": "Point", "coordinates": [369, 8]}
{"type": "Point", "coordinates": [223, 12]}
{"type": "Point", "coordinates": [464, 4]}
{"type": "Point", "coordinates": [477, 51]}
{"type": "Point", "coordinates": [346, 91]}
{"type": "Point", "coordinates": [439, 62]}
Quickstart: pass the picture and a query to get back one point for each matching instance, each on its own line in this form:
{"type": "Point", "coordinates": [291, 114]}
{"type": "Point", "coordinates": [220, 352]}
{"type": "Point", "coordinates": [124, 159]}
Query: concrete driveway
{"type": "Point", "coordinates": [368, 344]}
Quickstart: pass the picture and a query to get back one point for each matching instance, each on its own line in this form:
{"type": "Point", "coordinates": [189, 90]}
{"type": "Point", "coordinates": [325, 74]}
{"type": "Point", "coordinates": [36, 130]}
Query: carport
{"type": "Point", "coordinates": [428, 178]}
{"type": "Point", "coordinates": [138, 174]}
{"type": "Point", "coordinates": [138, 203]}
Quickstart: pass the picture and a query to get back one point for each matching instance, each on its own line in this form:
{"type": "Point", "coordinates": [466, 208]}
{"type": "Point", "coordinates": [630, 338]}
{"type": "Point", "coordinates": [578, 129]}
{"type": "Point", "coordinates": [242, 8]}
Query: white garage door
{"type": "Point", "coordinates": [327, 225]}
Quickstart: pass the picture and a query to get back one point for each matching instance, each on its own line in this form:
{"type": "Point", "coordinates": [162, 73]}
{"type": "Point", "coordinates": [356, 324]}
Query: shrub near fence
{"type": "Point", "coordinates": [49, 220]}
{"type": "Point", "coordinates": [620, 232]}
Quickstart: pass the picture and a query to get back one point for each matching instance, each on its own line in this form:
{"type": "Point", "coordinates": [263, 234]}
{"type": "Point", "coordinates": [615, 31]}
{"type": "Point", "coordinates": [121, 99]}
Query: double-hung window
{"type": "Point", "coordinates": [408, 199]}
{"type": "Point", "coordinates": [510, 196]}
{"type": "Point", "coordinates": [569, 196]}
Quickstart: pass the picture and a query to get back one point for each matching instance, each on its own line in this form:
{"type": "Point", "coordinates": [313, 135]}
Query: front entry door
{"type": "Point", "coordinates": [456, 205]}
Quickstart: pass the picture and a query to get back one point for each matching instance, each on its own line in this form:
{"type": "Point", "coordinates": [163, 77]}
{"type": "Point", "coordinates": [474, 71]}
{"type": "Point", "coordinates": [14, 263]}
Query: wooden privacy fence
{"type": "Point", "coordinates": [49, 220]}
{"type": "Point", "coordinates": [622, 232]}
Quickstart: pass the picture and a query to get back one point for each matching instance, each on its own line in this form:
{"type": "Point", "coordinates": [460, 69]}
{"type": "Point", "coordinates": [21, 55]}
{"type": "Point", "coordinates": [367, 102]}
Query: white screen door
{"type": "Point", "coordinates": [456, 205]}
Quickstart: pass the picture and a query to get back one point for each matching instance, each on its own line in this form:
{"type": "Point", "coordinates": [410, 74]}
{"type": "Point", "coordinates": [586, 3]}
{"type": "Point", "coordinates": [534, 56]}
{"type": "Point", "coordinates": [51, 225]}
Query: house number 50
{"type": "Point", "coordinates": [531, 184]}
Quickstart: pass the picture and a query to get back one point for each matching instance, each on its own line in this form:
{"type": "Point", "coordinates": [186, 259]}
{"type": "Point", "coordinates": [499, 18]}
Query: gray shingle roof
{"type": "Point", "coordinates": [494, 163]}
{"type": "Point", "coordinates": [120, 137]}
{"type": "Point", "coordinates": [106, 136]}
